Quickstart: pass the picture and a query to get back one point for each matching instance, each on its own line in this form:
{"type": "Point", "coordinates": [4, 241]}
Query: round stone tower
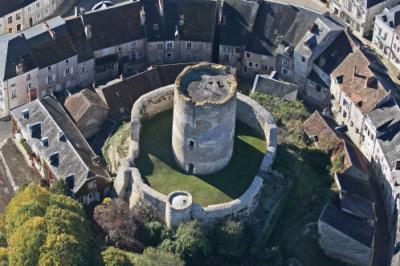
{"type": "Point", "coordinates": [178, 208]}
{"type": "Point", "coordinates": [204, 118]}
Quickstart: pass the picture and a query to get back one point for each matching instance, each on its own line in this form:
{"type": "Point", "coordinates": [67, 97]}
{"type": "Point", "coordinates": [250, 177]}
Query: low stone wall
{"type": "Point", "coordinates": [129, 183]}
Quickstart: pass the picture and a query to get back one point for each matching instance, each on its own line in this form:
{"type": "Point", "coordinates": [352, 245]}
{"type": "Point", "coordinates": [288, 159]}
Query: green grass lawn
{"type": "Point", "coordinates": [158, 167]}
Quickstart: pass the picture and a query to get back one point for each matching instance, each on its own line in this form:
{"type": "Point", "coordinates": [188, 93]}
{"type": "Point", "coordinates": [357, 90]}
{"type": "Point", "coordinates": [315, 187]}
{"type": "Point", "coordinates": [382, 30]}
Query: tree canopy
{"type": "Point", "coordinates": [43, 228]}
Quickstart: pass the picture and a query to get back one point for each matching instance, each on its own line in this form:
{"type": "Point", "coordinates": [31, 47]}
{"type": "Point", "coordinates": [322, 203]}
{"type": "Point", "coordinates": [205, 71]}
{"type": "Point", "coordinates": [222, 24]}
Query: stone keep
{"type": "Point", "coordinates": [204, 118]}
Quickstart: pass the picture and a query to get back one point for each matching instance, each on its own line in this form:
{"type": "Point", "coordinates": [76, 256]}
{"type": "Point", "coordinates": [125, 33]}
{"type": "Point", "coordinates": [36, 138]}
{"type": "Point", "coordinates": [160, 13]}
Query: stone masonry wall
{"type": "Point", "coordinates": [129, 183]}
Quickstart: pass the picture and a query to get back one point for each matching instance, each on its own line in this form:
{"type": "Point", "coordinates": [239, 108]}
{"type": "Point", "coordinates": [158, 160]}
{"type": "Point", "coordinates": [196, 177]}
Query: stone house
{"type": "Point", "coordinates": [237, 22]}
{"type": "Point", "coordinates": [359, 15]}
{"type": "Point", "coordinates": [196, 29]}
{"type": "Point", "coordinates": [355, 90]}
{"type": "Point", "coordinates": [88, 111]}
{"type": "Point", "coordinates": [118, 45]}
{"type": "Point", "coordinates": [16, 16]}
{"type": "Point", "coordinates": [346, 237]}
{"type": "Point", "coordinates": [382, 145]}
{"type": "Point", "coordinates": [319, 129]}
{"type": "Point", "coordinates": [58, 150]}
{"type": "Point", "coordinates": [386, 37]}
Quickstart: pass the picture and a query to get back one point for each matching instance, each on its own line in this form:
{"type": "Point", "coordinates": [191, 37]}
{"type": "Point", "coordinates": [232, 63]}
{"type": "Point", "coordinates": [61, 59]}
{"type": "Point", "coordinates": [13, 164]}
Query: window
{"type": "Point", "coordinates": [46, 12]}
{"type": "Point", "coordinates": [9, 20]}
{"type": "Point", "coordinates": [170, 45]}
{"type": "Point", "coordinates": [303, 59]}
{"type": "Point", "coordinates": [18, 27]}
{"type": "Point", "coordinates": [155, 26]}
{"type": "Point", "coordinates": [344, 114]}
{"type": "Point", "coordinates": [169, 56]}
{"type": "Point", "coordinates": [67, 61]}
{"type": "Point", "coordinates": [38, 16]}
{"type": "Point", "coordinates": [188, 45]}
{"type": "Point", "coordinates": [18, 16]}
{"type": "Point", "coordinates": [37, 4]}
{"type": "Point", "coordinates": [28, 77]}
{"type": "Point", "coordinates": [284, 71]}
{"type": "Point", "coordinates": [318, 88]}
{"type": "Point", "coordinates": [13, 93]}
{"type": "Point", "coordinates": [250, 64]}
{"type": "Point", "coordinates": [226, 58]}
{"type": "Point", "coordinates": [83, 69]}
{"type": "Point", "coordinates": [49, 79]}
{"type": "Point", "coordinates": [133, 44]}
{"type": "Point", "coordinates": [191, 144]}
{"type": "Point", "coordinates": [237, 50]}
{"type": "Point", "coordinates": [351, 123]}
{"type": "Point", "coordinates": [160, 46]}
{"type": "Point", "coordinates": [284, 62]}
{"type": "Point", "coordinates": [248, 55]}
{"type": "Point", "coordinates": [49, 69]}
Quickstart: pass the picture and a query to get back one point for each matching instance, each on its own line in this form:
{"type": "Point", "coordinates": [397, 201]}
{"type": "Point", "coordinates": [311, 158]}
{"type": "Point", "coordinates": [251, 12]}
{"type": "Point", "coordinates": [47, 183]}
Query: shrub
{"type": "Point", "coordinates": [157, 257]}
{"type": "Point", "coordinates": [190, 241]}
{"type": "Point", "coordinates": [230, 238]}
{"type": "Point", "coordinates": [113, 256]}
{"type": "Point", "coordinates": [156, 232]}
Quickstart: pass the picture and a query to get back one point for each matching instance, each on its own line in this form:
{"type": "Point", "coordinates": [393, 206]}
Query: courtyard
{"type": "Point", "coordinates": [157, 165]}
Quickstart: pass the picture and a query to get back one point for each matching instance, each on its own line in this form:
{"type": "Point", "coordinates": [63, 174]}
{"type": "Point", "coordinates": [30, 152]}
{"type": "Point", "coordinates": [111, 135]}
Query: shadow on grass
{"type": "Point", "coordinates": [157, 165]}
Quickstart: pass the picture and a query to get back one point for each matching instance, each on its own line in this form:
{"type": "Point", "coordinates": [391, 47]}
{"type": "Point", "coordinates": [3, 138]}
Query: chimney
{"type": "Point", "coordinates": [161, 7]}
{"type": "Point", "coordinates": [142, 16]}
{"type": "Point", "coordinates": [76, 11]}
{"type": "Point", "coordinates": [19, 68]}
{"type": "Point", "coordinates": [88, 31]}
{"type": "Point", "coordinates": [181, 20]}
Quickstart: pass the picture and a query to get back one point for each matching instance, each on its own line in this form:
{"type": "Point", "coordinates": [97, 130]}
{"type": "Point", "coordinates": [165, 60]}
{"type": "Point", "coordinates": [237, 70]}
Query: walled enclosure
{"type": "Point", "coordinates": [204, 118]}
{"type": "Point", "coordinates": [129, 184]}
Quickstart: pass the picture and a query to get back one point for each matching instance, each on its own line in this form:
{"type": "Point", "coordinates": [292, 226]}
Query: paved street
{"type": "Point", "coordinates": [315, 5]}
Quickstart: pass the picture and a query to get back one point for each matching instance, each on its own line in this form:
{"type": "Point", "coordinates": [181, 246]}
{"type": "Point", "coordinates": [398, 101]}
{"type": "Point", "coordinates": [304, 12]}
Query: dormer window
{"type": "Point", "coordinates": [25, 113]}
{"type": "Point", "coordinates": [70, 181]}
{"type": "Point", "coordinates": [35, 130]}
{"type": "Point", "coordinates": [45, 141]}
{"type": "Point", "coordinates": [155, 26]}
{"type": "Point", "coordinates": [61, 136]}
{"type": "Point", "coordinates": [54, 159]}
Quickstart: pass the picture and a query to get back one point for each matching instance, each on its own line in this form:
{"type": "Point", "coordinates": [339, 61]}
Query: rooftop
{"type": "Point", "coordinates": [207, 83]}
{"type": "Point", "coordinates": [359, 82]}
{"type": "Point", "coordinates": [354, 227]}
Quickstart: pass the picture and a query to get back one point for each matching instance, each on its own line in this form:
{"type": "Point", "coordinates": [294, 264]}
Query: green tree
{"type": "Point", "coordinates": [3, 256]}
{"type": "Point", "coordinates": [60, 187]}
{"type": "Point", "coordinates": [62, 249]}
{"type": "Point", "coordinates": [156, 232]}
{"type": "Point", "coordinates": [44, 228]}
{"type": "Point", "coordinates": [26, 241]}
{"type": "Point", "coordinates": [230, 238]}
{"type": "Point", "coordinates": [190, 241]}
{"type": "Point", "coordinates": [113, 256]}
{"type": "Point", "coordinates": [156, 257]}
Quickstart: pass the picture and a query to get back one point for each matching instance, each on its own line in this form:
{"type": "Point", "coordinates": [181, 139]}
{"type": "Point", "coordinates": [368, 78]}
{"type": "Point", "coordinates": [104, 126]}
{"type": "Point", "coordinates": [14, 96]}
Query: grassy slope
{"type": "Point", "coordinates": [119, 139]}
{"type": "Point", "coordinates": [158, 166]}
{"type": "Point", "coordinates": [294, 236]}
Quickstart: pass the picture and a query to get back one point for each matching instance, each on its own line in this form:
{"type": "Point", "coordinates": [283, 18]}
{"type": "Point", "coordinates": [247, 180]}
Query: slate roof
{"type": "Point", "coordinates": [386, 118]}
{"type": "Point", "coordinates": [79, 103]}
{"type": "Point", "coordinates": [14, 50]}
{"type": "Point", "coordinates": [153, 33]}
{"type": "Point", "coordinates": [276, 23]}
{"type": "Point", "coordinates": [49, 50]}
{"type": "Point", "coordinates": [75, 154]}
{"type": "Point", "coordinates": [78, 37]}
{"type": "Point", "coordinates": [360, 83]}
{"type": "Point", "coordinates": [238, 18]}
{"type": "Point", "coordinates": [318, 125]}
{"type": "Point", "coordinates": [371, 3]}
{"type": "Point", "coordinates": [199, 17]}
{"type": "Point", "coordinates": [353, 227]}
{"type": "Point", "coordinates": [9, 6]}
{"type": "Point", "coordinates": [332, 57]}
{"type": "Point", "coordinates": [170, 19]}
{"type": "Point", "coordinates": [114, 25]}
